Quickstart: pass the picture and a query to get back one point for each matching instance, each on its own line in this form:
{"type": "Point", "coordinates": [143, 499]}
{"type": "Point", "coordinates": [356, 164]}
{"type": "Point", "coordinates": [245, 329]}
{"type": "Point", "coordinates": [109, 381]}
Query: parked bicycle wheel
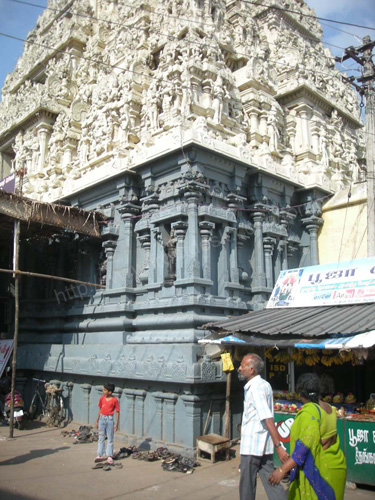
{"type": "Point", "coordinates": [33, 410]}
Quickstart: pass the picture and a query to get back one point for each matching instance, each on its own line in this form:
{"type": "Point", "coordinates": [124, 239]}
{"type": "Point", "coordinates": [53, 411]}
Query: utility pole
{"type": "Point", "coordinates": [365, 86]}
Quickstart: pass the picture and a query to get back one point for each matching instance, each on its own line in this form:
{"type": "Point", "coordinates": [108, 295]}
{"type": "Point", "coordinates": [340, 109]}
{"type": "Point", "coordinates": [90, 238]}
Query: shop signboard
{"type": "Point", "coordinates": [8, 184]}
{"type": "Point", "coordinates": [6, 348]}
{"type": "Point", "coordinates": [338, 283]}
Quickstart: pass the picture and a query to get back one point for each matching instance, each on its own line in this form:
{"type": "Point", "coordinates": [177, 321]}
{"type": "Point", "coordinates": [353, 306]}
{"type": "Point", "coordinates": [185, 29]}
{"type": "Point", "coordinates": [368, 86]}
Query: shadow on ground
{"type": "Point", "coordinates": [31, 455]}
{"type": "Point", "coordinates": [7, 495]}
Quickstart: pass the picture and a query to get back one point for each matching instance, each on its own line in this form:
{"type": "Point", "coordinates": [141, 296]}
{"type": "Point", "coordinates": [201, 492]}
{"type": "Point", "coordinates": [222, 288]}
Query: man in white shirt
{"type": "Point", "coordinates": [258, 433]}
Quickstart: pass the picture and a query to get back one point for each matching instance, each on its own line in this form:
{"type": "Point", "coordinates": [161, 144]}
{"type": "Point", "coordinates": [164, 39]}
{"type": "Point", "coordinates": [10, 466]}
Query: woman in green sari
{"type": "Point", "coordinates": [317, 464]}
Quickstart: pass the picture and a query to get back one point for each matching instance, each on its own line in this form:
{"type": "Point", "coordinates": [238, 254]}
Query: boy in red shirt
{"type": "Point", "coordinates": [108, 404]}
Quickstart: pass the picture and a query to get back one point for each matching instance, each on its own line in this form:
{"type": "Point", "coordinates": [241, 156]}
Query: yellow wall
{"type": "Point", "coordinates": [344, 232]}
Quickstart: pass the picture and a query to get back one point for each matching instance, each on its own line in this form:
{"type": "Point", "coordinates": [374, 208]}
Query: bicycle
{"type": "Point", "coordinates": [37, 400]}
{"type": "Point", "coordinates": [54, 405]}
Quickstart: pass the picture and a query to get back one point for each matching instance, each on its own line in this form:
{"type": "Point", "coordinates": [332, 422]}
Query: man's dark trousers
{"type": "Point", "coordinates": [250, 466]}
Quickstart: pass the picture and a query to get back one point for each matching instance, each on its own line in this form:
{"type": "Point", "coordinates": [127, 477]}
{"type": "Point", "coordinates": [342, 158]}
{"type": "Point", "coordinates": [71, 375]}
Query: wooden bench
{"type": "Point", "coordinates": [212, 443]}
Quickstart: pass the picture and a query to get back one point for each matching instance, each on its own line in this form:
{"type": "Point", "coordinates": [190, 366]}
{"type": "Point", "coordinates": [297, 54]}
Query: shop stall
{"type": "Point", "coordinates": [357, 440]}
{"type": "Point", "coordinates": [334, 336]}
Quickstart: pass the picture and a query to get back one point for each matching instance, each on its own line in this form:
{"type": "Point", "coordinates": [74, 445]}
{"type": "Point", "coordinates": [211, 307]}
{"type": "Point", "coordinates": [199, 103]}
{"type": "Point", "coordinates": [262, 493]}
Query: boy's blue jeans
{"type": "Point", "coordinates": [106, 426]}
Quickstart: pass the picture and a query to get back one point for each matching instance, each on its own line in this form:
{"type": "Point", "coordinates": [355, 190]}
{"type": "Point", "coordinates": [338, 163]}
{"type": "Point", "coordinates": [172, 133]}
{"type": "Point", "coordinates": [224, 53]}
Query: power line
{"type": "Point", "coordinates": [153, 30]}
{"type": "Point", "coordinates": [317, 18]}
{"type": "Point", "coordinates": [114, 66]}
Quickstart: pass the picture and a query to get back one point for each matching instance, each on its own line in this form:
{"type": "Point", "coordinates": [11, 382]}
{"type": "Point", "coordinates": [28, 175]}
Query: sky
{"type": "Point", "coordinates": [17, 19]}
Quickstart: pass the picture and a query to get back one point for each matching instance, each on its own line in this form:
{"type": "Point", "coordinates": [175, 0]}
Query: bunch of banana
{"type": "Point", "coordinates": [298, 357]}
{"type": "Point", "coordinates": [282, 357]}
{"type": "Point", "coordinates": [337, 360]}
{"type": "Point", "coordinates": [326, 360]}
{"type": "Point", "coordinates": [346, 356]}
{"type": "Point", "coordinates": [312, 359]}
{"type": "Point", "coordinates": [268, 354]}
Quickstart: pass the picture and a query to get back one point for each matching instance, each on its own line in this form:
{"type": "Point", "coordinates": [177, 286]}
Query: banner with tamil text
{"type": "Point", "coordinates": [339, 283]}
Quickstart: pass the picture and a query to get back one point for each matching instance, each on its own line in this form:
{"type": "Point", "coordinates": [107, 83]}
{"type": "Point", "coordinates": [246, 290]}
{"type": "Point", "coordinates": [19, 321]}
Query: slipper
{"type": "Point", "coordinates": [106, 467]}
{"type": "Point", "coordinates": [100, 459]}
{"type": "Point", "coordinates": [117, 465]}
{"type": "Point", "coordinates": [98, 466]}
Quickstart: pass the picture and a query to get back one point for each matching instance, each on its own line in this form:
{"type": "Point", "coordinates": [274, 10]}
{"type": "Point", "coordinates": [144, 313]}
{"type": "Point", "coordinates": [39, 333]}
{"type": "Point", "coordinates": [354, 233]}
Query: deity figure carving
{"type": "Point", "coordinates": [272, 130]}
{"type": "Point", "coordinates": [219, 94]}
{"type": "Point", "coordinates": [19, 149]}
{"type": "Point", "coordinates": [170, 250]}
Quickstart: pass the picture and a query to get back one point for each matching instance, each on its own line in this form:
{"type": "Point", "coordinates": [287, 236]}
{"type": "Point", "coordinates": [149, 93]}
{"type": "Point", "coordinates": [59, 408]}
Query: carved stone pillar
{"type": "Point", "coordinates": [155, 231]}
{"type": "Point", "coordinates": [180, 228]}
{"type": "Point", "coordinates": [160, 260]}
{"type": "Point", "coordinates": [109, 248]}
{"type": "Point", "coordinates": [158, 419]}
{"type": "Point", "coordinates": [140, 412]}
{"type": "Point", "coordinates": [268, 245]}
{"type": "Point", "coordinates": [170, 417]}
{"type": "Point", "coordinates": [192, 257]}
{"type": "Point", "coordinates": [145, 241]}
{"type": "Point", "coordinates": [128, 211]}
{"type": "Point", "coordinates": [304, 116]}
{"type": "Point", "coordinates": [254, 123]}
{"type": "Point", "coordinates": [259, 274]}
{"type": "Point", "coordinates": [291, 130]}
{"type": "Point", "coordinates": [193, 408]}
{"type": "Point", "coordinates": [86, 389]}
{"type": "Point", "coordinates": [315, 130]}
{"type": "Point", "coordinates": [263, 124]}
{"type": "Point", "coordinates": [130, 411]}
{"type": "Point", "coordinates": [206, 229]}
{"type": "Point", "coordinates": [44, 131]}
{"type": "Point", "coordinates": [312, 225]}
{"type": "Point", "coordinates": [283, 250]}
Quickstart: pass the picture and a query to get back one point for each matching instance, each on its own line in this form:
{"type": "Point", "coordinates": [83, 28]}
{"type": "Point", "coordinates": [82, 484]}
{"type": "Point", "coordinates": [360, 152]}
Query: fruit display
{"type": "Point", "coordinates": [338, 398]}
{"type": "Point", "coordinates": [350, 398]}
{"type": "Point", "coordinates": [310, 357]}
{"type": "Point", "coordinates": [290, 408]}
{"type": "Point", "coordinates": [370, 403]}
{"type": "Point", "coordinates": [340, 412]}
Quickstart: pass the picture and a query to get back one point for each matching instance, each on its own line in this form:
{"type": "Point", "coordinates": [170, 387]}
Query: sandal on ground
{"type": "Point", "coordinates": [106, 467]}
{"type": "Point", "coordinates": [100, 459]}
{"type": "Point", "coordinates": [99, 465]}
{"type": "Point", "coordinates": [117, 465]}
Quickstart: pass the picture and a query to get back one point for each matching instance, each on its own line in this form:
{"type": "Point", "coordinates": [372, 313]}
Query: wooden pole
{"type": "Point", "coordinates": [227, 405]}
{"type": "Point", "coordinates": [50, 277]}
{"type": "Point", "coordinates": [17, 277]}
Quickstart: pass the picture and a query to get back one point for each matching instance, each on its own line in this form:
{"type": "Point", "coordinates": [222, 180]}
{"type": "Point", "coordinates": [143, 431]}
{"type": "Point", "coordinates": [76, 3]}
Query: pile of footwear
{"type": "Point", "coordinates": [169, 461]}
{"type": "Point", "coordinates": [124, 453]}
{"type": "Point", "coordinates": [178, 463]}
{"type": "Point", "coordinates": [106, 464]}
{"type": "Point", "coordinates": [85, 434]}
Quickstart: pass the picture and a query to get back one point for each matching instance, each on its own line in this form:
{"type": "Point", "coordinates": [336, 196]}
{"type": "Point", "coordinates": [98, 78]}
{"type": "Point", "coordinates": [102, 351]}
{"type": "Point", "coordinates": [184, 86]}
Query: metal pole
{"type": "Point", "coordinates": [16, 254]}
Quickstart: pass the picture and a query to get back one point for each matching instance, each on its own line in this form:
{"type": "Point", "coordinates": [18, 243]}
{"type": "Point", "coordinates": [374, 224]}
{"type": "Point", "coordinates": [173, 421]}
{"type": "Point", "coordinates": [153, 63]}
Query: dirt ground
{"type": "Point", "coordinates": [41, 464]}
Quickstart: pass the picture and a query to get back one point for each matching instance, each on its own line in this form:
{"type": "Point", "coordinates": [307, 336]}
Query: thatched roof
{"type": "Point", "coordinates": [45, 217]}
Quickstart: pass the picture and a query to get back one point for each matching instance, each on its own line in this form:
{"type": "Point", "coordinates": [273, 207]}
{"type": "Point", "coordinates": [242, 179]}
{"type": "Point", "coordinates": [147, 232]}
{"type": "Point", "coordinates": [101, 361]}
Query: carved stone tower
{"type": "Point", "coordinates": [209, 132]}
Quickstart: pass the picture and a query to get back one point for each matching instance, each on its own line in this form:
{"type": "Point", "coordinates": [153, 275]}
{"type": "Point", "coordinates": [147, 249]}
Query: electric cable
{"type": "Point", "coordinates": [318, 18]}
{"type": "Point", "coordinates": [153, 30]}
